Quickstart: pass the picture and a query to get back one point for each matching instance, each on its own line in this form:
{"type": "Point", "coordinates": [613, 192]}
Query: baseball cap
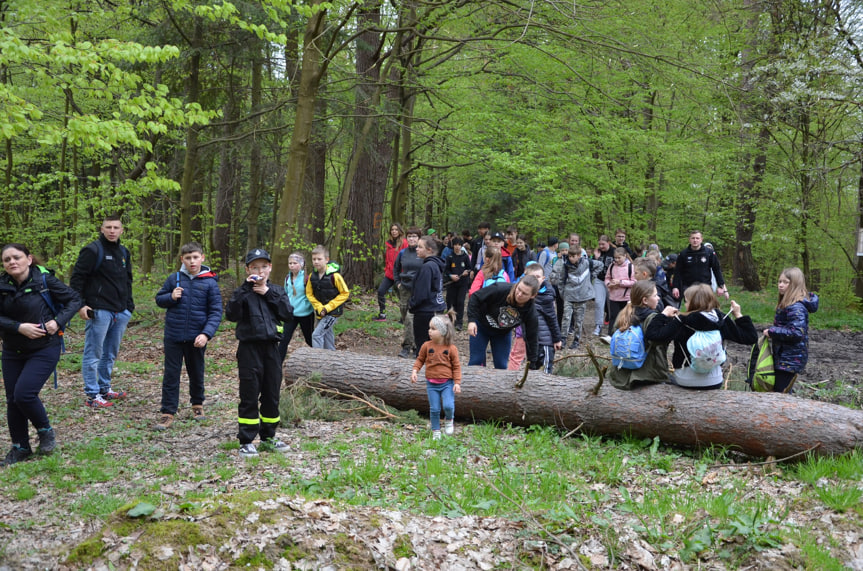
{"type": "Point", "coordinates": [431, 231]}
{"type": "Point", "coordinates": [497, 235]}
{"type": "Point", "coordinates": [257, 254]}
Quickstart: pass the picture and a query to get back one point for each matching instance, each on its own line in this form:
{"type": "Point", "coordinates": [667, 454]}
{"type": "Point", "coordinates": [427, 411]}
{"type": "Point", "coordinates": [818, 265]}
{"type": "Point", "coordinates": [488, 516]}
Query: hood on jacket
{"type": "Point", "coordinates": [704, 320]}
{"type": "Point", "coordinates": [811, 303]}
{"type": "Point", "coordinates": [436, 260]}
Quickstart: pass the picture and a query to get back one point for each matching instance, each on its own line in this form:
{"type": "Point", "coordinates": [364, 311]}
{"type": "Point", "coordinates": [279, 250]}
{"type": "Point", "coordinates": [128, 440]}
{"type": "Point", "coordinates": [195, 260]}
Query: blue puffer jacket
{"type": "Point", "coordinates": [790, 335]}
{"type": "Point", "coordinates": [199, 309]}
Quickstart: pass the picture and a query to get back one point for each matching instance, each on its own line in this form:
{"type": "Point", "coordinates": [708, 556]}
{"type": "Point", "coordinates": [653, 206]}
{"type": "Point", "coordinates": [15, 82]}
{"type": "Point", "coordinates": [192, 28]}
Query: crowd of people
{"type": "Point", "coordinates": [522, 306]}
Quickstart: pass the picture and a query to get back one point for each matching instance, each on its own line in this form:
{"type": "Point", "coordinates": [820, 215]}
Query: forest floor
{"type": "Point", "coordinates": [39, 532]}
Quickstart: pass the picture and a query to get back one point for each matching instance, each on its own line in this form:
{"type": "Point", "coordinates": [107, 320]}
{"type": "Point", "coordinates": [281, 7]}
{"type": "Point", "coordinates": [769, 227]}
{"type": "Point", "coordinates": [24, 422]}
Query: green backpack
{"type": "Point", "coordinates": [761, 373]}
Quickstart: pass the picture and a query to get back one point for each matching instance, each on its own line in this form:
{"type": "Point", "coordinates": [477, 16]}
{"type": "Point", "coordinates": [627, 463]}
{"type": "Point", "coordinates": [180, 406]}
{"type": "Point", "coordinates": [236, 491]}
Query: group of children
{"type": "Point", "coordinates": [266, 314]}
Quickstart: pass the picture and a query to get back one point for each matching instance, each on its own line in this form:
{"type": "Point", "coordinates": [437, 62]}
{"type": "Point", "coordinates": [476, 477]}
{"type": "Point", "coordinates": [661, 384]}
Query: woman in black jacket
{"type": "Point", "coordinates": [34, 308]}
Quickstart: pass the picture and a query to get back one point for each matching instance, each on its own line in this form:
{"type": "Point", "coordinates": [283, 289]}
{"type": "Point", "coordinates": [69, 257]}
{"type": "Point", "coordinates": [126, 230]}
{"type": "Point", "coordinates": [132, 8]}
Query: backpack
{"type": "Point", "coordinates": [762, 376]}
{"type": "Point", "coordinates": [100, 255]}
{"type": "Point", "coordinates": [705, 350]}
{"type": "Point", "coordinates": [55, 309]}
{"type": "Point", "coordinates": [627, 348]}
{"type": "Point", "coordinates": [499, 277]}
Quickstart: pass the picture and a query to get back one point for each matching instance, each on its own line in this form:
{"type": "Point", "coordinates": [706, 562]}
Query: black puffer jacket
{"type": "Point", "coordinates": [548, 331]}
{"type": "Point", "coordinates": [24, 304]}
{"type": "Point", "coordinates": [106, 285]}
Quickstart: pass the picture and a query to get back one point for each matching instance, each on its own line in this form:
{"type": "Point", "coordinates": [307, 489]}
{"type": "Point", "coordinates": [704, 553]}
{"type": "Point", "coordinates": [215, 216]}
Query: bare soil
{"type": "Point", "coordinates": [37, 533]}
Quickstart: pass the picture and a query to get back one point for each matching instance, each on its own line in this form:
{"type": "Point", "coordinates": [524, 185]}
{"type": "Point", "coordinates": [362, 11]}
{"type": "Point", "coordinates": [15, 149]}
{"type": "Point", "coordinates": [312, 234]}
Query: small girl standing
{"type": "Point", "coordinates": [790, 331]}
{"type": "Point", "coordinates": [443, 373]}
{"type": "Point", "coordinates": [304, 313]}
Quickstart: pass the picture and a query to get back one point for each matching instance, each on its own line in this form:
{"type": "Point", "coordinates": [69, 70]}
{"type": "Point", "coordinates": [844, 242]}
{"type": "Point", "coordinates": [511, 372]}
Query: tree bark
{"type": "Point", "coordinates": [757, 424]}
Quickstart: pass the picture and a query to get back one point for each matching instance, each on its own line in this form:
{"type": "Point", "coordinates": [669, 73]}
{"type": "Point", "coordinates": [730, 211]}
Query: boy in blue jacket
{"type": "Point", "coordinates": [194, 305]}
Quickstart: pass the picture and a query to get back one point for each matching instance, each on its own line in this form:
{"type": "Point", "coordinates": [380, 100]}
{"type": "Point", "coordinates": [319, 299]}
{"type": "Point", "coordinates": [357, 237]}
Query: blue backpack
{"type": "Point", "coordinates": [627, 348]}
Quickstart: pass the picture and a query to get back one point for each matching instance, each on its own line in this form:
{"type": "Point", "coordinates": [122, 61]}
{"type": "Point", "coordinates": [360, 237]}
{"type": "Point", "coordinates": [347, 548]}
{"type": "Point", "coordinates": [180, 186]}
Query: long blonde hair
{"type": "Point", "coordinates": [639, 292]}
{"type": "Point", "coordinates": [796, 288]}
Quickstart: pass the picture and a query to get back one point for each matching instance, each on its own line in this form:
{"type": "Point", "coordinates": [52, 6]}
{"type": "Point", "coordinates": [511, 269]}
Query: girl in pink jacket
{"type": "Point", "coordinates": [619, 280]}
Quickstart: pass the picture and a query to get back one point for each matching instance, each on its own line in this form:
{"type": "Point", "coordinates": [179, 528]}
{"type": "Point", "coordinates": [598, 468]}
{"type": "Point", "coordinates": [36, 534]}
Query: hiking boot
{"type": "Point", "coordinates": [98, 401]}
{"type": "Point", "coordinates": [47, 441]}
{"type": "Point", "coordinates": [114, 395]}
{"type": "Point", "coordinates": [248, 451]}
{"type": "Point", "coordinates": [574, 345]}
{"type": "Point", "coordinates": [448, 427]}
{"type": "Point", "coordinates": [275, 444]}
{"type": "Point", "coordinates": [435, 434]}
{"type": "Point", "coordinates": [165, 423]}
{"type": "Point", "coordinates": [405, 353]}
{"type": "Point", "coordinates": [606, 339]}
{"type": "Point", "coordinates": [380, 317]}
{"type": "Point", "coordinates": [198, 412]}
{"type": "Point", "coordinates": [16, 454]}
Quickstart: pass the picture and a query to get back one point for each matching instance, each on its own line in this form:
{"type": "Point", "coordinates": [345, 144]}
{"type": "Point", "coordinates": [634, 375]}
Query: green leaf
{"type": "Point", "coordinates": [142, 509]}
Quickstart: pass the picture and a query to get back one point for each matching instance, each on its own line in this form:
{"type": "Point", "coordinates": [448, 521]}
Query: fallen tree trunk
{"type": "Point", "coordinates": [757, 424]}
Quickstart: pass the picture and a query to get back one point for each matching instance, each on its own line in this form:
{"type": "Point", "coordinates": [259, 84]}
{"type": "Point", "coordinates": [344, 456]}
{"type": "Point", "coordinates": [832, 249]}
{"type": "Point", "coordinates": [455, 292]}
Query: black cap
{"type": "Point", "coordinates": [671, 257]}
{"type": "Point", "coordinates": [257, 254]}
{"type": "Point", "coordinates": [497, 235]}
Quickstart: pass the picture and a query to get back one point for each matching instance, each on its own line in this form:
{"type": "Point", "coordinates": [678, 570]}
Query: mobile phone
{"type": "Point", "coordinates": [90, 313]}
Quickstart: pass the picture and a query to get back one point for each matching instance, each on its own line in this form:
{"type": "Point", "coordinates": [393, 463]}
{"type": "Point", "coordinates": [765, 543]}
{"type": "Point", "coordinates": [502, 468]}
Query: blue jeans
{"type": "Point", "coordinates": [440, 396]}
{"type": "Point", "coordinates": [102, 335]}
{"type": "Point", "coordinates": [323, 336]}
{"type": "Point", "coordinates": [500, 345]}
{"type": "Point", "coordinates": [24, 375]}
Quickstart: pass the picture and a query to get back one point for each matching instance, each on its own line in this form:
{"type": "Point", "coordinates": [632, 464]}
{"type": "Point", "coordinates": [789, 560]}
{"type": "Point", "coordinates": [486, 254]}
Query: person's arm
{"type": "Point", "coordinates": [234, 309]}
{"type": "Point", "coordinates": [164, 297]}
{"type": "Point", "coordinates": [214, 309]}
{"type": "Point", "coordinates": [344, 293]}
{"type": "Point", "coordinates": [455, 364]}
{"type": "Point", "coordinates": [793, 330]}
{"type": "Point", "coordinates": [531, 333]}
{"type": "Point", "coordinates": [65, 296]}
{"type": "Point", "coordinates": [716, 268]}
{"type": "Point", "coordinates": [130, 301]}
{"type": "Point", "coordinates": [310, 295]}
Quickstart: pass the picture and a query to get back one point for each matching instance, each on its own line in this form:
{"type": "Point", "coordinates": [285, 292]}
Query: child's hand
{"type": "Point", "coordinates": [323, 313]}
{"type": "Point", "coordinates": [260, 287]}
{"type": "Point", "coordinates": [767, 333]}
{"type": "Point", "coordinates": [735, 309]}
{"type": "Point", "coordinates": [177, 293]}
{"type": "Point", "coordinates": [201, 340]}
{"type": "Point", "coordinates": [413, 376]}
{"type": "Point", "coordinates": [457, 388]}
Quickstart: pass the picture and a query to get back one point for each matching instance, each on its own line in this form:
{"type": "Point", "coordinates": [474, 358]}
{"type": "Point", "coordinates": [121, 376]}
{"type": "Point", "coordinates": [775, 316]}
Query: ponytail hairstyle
{"type": "Point", "coordinates": [639, 292]}
{"type": "Point", "coordinates": [796, 289]}
{"type": "Point", "coordinates": [301, 260]}
{"type": "Point", "coordinates": [444, 325]}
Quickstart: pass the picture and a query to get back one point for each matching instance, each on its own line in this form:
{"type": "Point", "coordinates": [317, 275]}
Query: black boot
{"type": "Point", "coordinates": [17, 454]}
{"type": "Point", "coordinates": [47, 440]}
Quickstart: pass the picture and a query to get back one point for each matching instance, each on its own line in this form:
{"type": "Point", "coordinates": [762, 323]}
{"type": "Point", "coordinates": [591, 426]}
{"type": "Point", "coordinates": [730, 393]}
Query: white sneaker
{"type": "Point", "coordinates": [448, 427]}
{"type": "Point", "coordinates": [248, 451]}
{"type": "Point", "coordinates": [606, 339]}
{"type": "Point", "coordinates": [435, 434]}
{"type": "Point", "coordinates": [597, 330]}
{"type": "Point", "coordinates": [277, 445]}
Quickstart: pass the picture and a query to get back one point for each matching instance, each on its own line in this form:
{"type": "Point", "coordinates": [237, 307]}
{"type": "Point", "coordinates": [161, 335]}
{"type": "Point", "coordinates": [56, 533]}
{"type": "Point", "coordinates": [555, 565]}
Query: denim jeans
{"type": "Point", "coordinates": [440, 396]}
{"type": "Point", "coordinates": [102, 336]}
{"type": "Point", "coordinates": [383, 289]}
{"type": "Point", "coordinates": [500, 344]}
{"type": "Point", "coordinates": [323, 336]}
{"type": "Point", "coordinates": [24, 375]}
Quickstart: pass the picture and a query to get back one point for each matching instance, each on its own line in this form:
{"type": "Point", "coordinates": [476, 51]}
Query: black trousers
{"type": "Point", "coordinates": [260, 372]}
{"type": "Point", "coordinates": [306, 324]}
{"type": "Point", "coordinates": [455, 294]}
{"type": "Point", "coordinates": [175, 354]}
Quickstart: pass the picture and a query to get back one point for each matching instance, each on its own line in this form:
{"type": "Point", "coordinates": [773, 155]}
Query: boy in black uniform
{"type": "Point", "coordinates": [259, 307]}
{"type": "Point", "coordinates": [457, 274]}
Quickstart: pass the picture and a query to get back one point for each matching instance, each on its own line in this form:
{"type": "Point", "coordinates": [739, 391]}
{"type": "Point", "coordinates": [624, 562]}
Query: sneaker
{"type": "Point", "coordinates": [114, 395]}
{"type": "Point", "coordinates": [165, 423]}
{"type": "Point", "coordinates": [405, 353]}
{"type": "Point", "coordinates": [380, 317]}
{"type": "Point", "coordinates": [275, 444]}
{"type": "Point", "coordinates": [435, 434]}
{"type": "Point", "coordinates": [248, 451]}
{"type": "Point", "coordinates": [98, 401]}
{"type": "Point", "coordinates": [606, 339]}
{"type": "Point", "coordinates": [16, 454]}
{"type": "Point", "coordinates": [448, 427]}
{"type": "Point", "coordinates": [597, 330]}
{"type": "Point", "coordinates": [198, 412]}
{"type": "Point", "coordinates": [47, 441]}
{"type": "Point", "coordinates": [574, 345]}
{"type": "Point", "coordinates": [458, 326]}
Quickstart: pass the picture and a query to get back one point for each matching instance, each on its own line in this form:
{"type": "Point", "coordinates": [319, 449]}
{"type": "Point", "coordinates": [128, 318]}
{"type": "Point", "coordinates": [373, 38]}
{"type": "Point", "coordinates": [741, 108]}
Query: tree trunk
{"type": "Point", "coordinates": [227, 188]}
{"type": "Point", "coordinates": [312, 70]}
{"type": "Point", "coordinates": [189, 181]}
{"type": "Point", "coordinates": [757, 424]}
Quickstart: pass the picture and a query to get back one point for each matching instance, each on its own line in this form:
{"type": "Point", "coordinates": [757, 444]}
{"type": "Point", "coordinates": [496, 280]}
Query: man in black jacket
{"type": "Point", "coordinates": [103, 277]}
{"type": "Point", "coordinates": [695, 265]}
